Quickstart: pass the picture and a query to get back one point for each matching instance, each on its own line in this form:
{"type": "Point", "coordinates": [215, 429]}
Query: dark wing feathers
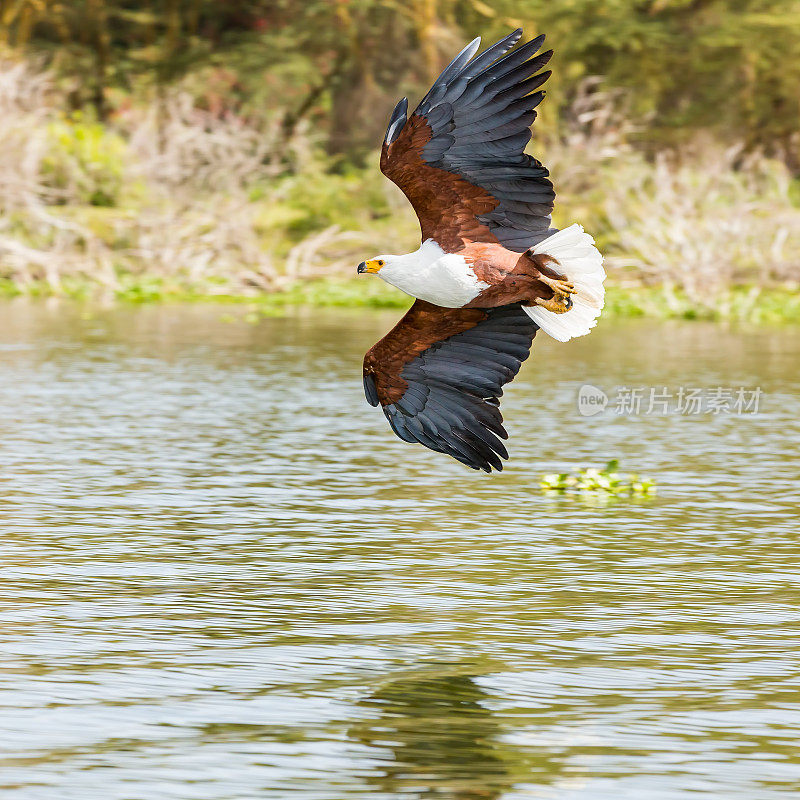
{"type": "Point", "coordinates": [478, 115]}
{"type": "Point", "coordinates": [443, 391]}
{"type": "Point", "coordinates": [396, 122]}
{"type": "Point", "coordinates": [454, 68]}
{"type": "Point", "coordinates": [491, 54]}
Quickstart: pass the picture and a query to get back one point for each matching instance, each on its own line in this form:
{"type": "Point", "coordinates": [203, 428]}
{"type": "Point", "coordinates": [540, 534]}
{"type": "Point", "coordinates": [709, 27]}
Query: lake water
{"type": "Point", "coordinates": [224, 578]}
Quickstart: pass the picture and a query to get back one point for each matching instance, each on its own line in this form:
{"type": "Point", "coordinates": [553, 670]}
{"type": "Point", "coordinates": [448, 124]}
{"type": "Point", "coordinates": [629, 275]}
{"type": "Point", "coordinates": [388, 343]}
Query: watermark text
{"type": "Point", "coordinates": [682, 400]}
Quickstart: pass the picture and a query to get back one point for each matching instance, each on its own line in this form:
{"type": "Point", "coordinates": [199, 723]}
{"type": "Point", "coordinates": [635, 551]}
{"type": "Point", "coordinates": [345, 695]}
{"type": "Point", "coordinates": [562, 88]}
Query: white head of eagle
{"type": "Point", "coordinates": [429, 273]}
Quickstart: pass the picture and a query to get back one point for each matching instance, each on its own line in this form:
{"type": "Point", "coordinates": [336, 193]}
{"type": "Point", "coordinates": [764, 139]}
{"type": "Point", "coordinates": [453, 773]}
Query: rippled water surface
{"type": "Point", "coordinates": [224, 578]}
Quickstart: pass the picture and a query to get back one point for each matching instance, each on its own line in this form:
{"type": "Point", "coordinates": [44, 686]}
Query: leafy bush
{"type": "Point", "coordinates": [320, 198]}
{"type": "Point", "coordinates": [85, 161]}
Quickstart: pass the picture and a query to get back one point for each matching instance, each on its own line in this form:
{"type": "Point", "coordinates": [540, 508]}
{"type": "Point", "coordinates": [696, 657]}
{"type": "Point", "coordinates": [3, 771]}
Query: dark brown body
{"type": "Point", "coordinates": [513, 277]}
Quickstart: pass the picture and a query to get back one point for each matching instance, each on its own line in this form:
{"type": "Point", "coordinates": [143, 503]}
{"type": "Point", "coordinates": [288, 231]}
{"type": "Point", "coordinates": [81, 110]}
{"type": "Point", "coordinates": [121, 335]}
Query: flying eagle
{"type": "Point", "coordinates": [491, 270]}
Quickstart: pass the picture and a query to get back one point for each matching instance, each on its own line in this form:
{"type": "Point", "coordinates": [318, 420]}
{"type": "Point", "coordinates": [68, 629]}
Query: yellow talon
{"type": "Point", "coordinates": [558, 303]}
{"type": "Point", "coordinates": [559, 286]}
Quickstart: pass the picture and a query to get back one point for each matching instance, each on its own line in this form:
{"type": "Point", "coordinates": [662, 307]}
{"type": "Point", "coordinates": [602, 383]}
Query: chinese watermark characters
{"type": "Point", "coordinates": [683, 400]}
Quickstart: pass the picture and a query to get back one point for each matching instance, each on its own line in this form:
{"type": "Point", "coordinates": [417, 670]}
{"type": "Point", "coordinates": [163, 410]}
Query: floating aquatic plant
{"type": "Point", "coordinates": [602, 481]}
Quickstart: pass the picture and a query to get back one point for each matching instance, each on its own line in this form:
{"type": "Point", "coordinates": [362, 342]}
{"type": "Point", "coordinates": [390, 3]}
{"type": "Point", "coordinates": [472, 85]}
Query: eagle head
{"type": "Point", "coordinates": [373, 266]}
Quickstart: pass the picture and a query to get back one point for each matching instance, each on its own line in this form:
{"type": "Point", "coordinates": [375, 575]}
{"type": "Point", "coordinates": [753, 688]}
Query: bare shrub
{"type": "Point", "coordinates": [206, 239]}
{"type": "Point", "coordinates": [24, 109]}
{"type": "Point", "coordinates": [195, 198]}
{"type": "Point", "coordinates": [193, 221]}
{"type": "Point", "coordinates": [701, 220]}
{"type": "Point", "coordinates": [706, 224]}
{"type": "Point", "coordinates": [176, 145]}
{"type": "Point", "coordinates": [34, 243]}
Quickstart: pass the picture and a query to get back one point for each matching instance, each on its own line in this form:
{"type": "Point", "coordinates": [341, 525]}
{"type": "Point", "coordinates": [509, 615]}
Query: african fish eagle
{"type": "Point", "coordinates": [491, 270]}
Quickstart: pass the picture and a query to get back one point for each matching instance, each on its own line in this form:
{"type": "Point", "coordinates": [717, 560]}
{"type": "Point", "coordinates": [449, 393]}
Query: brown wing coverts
{"type": "Point", "coordinates": [444, 393]}
{"type": "Point", "coordinates": [474, 124]}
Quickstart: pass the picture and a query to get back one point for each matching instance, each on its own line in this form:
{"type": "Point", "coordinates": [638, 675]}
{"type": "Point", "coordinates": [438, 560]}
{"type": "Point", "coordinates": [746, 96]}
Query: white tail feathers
{"type": "Point", "coordinates": [580, 261]}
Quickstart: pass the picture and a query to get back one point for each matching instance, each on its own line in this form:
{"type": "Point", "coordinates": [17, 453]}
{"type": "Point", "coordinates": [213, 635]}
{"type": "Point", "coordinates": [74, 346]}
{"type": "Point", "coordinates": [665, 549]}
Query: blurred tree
{"type": "Point", "coordinates": [725, 65]}
{"type": "Point", "coordinates": [729, 66]}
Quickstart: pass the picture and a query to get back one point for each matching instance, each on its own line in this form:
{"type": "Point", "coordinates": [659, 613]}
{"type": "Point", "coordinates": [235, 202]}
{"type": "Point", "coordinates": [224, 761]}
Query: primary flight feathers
{"type": "Point", "coordinates": [467, 135]}
{"type": "Point", "coordinates": [491, 270]}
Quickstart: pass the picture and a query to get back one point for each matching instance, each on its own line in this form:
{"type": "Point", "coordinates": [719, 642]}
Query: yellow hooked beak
{"type": "Point", "coordinates": [372, 266]}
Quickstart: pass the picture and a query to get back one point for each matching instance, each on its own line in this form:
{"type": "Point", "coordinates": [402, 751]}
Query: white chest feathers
{"type": "Point", "coordinates": [444, 279]}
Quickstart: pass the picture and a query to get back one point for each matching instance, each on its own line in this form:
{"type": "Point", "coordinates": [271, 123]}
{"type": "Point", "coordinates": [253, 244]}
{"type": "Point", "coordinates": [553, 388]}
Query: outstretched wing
{"type": "Point", "coordinates": [439, 376]}
{"type": "Point", "coordinates": [459, 158]}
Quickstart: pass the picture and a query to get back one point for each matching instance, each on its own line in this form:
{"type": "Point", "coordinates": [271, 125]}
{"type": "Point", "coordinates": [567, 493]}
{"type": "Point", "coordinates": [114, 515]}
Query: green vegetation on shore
{"type": "Point", "coordinates": [739, 304]}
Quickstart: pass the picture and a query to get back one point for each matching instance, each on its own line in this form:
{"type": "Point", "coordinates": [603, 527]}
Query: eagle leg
{"type": "Point", "coordinates": [560, 302]}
